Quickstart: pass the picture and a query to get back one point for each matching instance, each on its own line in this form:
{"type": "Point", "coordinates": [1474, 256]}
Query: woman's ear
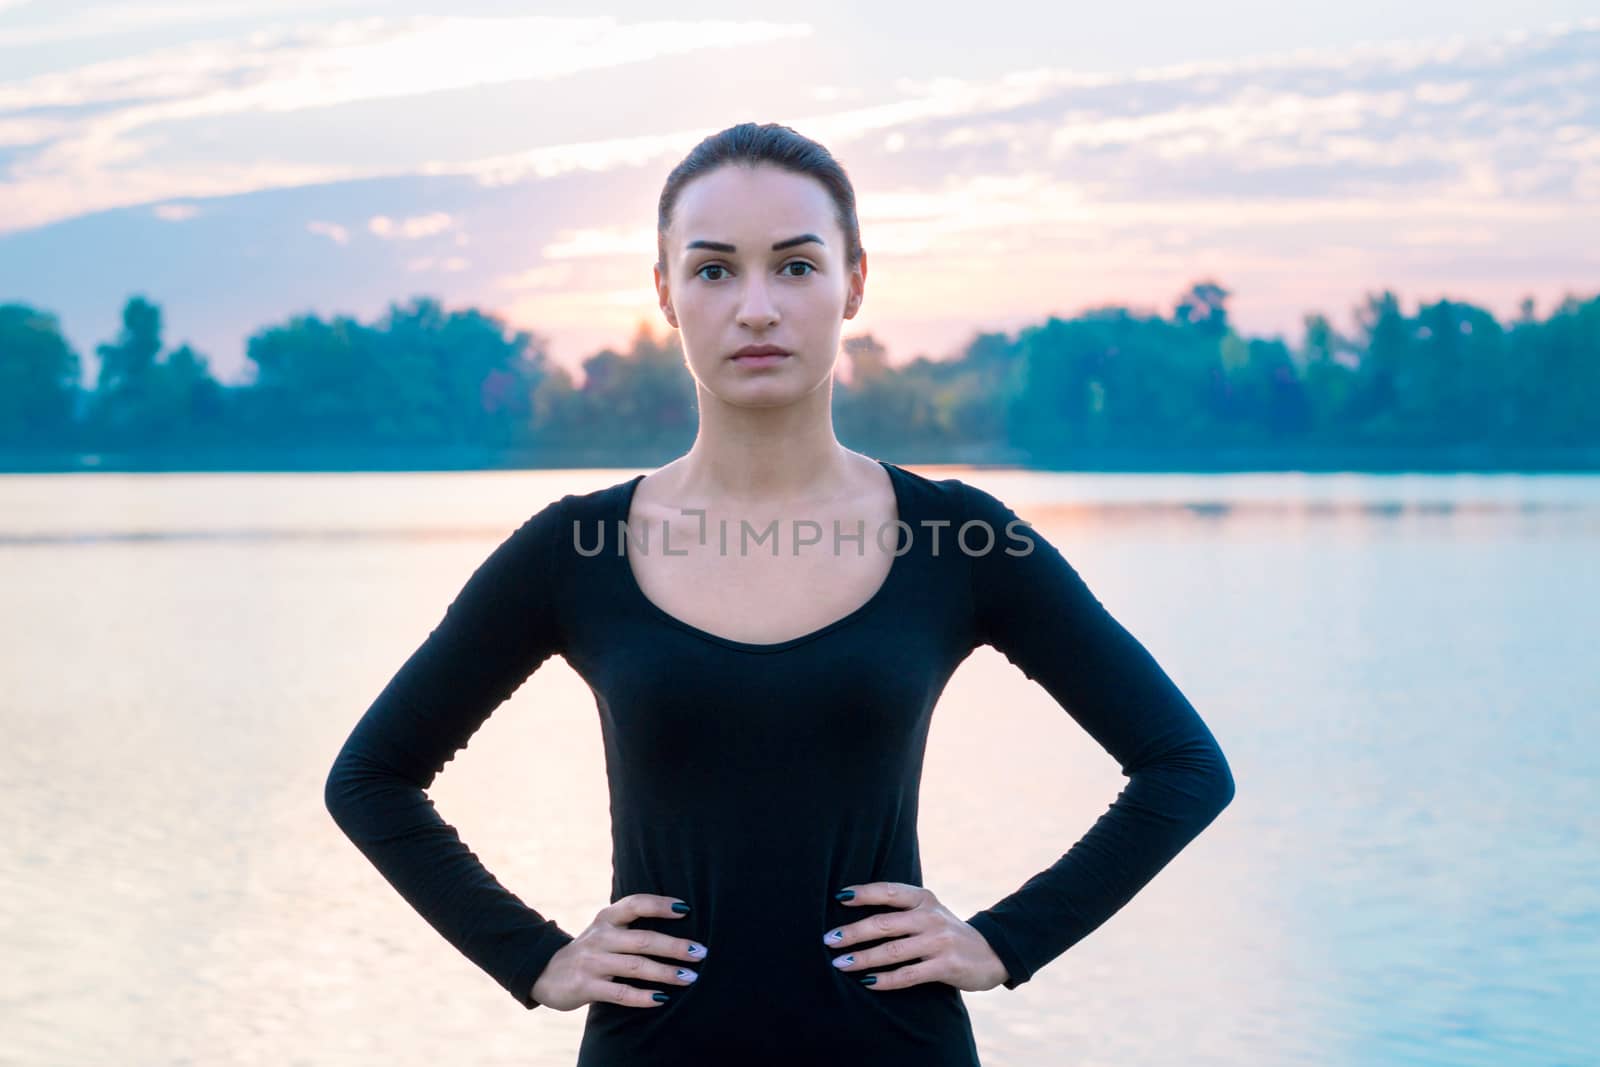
{"type": "Point", "coordinates": [857, 287]}
{"type": "Point", "coordinates": [664, 296]}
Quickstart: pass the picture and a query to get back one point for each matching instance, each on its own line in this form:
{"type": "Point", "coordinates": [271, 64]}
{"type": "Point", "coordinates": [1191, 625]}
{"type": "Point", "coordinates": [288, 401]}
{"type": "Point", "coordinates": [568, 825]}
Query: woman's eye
{"type": "Point", "coordinates": [809, 269]}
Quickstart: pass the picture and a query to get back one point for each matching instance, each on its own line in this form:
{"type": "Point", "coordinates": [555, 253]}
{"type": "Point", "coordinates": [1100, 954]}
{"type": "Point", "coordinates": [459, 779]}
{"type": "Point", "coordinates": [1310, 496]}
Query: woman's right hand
{"type": "Point", "coordinates": [581, 971]}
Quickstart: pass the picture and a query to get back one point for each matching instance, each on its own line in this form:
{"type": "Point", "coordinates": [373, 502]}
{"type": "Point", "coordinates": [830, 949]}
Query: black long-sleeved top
{"type": "Point", "coordinates": [755, 780]}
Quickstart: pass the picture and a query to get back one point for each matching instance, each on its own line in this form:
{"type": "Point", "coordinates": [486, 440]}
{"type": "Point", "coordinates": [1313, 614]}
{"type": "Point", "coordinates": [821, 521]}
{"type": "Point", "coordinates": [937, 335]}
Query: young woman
{"type": "Point", "coordinates": [767, 623]}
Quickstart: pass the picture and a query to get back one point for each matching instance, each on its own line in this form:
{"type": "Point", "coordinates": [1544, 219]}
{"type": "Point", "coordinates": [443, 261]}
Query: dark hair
{"type": "Point", "coordinates": [751, 144]}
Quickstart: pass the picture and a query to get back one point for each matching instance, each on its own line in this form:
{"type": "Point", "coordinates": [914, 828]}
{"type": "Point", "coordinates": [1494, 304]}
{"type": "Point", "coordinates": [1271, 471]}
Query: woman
{"type": "Point", "coordinates": [764, 709]}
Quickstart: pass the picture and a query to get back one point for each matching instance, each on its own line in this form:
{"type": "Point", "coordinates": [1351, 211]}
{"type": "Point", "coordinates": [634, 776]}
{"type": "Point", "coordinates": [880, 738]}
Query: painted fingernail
{"type": "Point", "coordinates": [869, 979]}
{"type": "Point", "coordinates": [680, 907]}
{"type": "Point", "coordinates": [844, 961]}
{"type": "Point", "coordinates": [686, 975]}
{"type": "Point", "coordinates": [697, 950]}
{"type": "Point", "coordinates": [845, 894]}
{"type": "Point", "coordinates": [659, 996]}
{"type": "Point", "coordinates": [833, 937]}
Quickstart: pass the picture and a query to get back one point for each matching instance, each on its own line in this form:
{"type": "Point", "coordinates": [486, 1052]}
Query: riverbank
{"type": "Point", "coordinates": [1216, 460]}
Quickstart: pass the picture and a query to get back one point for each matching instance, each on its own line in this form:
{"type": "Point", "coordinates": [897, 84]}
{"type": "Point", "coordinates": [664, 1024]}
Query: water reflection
{"type": "Point", "coordinates": [1395, 668]}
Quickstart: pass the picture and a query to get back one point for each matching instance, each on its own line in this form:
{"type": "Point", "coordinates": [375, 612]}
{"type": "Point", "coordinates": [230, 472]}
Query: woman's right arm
{"type": "Point", "coordinates": [502, 625]}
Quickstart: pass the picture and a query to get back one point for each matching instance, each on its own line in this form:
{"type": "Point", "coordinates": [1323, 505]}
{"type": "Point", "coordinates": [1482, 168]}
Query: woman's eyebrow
{"type": "Point", "coordinates": [723, 246]}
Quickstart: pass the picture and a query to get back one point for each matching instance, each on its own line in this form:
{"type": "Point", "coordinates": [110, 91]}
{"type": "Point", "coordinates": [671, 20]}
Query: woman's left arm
{"type": "Point", "coordinates": [1030, 604]}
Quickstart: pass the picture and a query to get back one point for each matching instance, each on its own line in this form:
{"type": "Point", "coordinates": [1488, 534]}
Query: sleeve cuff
{"type": "Point", "coordinates": [520, 985]}
{"type": "Point", "coordinates": [1016, 970]}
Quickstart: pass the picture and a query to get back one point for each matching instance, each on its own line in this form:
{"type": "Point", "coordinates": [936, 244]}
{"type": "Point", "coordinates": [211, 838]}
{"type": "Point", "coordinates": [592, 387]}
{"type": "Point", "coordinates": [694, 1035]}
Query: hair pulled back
{"type": "Point", "coordinates": [750, 144]}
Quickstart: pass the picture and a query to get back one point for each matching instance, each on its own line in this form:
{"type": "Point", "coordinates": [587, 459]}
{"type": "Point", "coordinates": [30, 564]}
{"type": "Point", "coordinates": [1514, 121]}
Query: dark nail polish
{"type": "Point", "coordinates": [869, 979]}
{"type": "Point", "coordinates": [659, 996]}
{"type": "Point", "coordinates": [680, 907]}
{"type": "Point", "coordinates": [845, 894]}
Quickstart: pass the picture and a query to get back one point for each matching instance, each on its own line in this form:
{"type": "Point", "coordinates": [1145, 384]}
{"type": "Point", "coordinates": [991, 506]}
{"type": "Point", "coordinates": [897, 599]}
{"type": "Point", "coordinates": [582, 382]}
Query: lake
{"type": "Point", "coordinates": [1401, 670]}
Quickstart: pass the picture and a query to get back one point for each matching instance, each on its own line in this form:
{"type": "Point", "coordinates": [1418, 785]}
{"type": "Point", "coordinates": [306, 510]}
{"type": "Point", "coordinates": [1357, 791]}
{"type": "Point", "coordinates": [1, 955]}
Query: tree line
{"type": "Point", "coordinates": [1110, 380]}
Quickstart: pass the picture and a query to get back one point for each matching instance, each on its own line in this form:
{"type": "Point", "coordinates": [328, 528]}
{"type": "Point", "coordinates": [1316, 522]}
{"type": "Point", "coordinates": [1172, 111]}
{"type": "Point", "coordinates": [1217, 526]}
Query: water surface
{"type": "Point", "coordinates": [1400, 669]}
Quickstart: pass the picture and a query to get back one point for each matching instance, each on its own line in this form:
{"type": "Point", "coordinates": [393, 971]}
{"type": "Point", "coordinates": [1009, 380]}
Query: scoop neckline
{"type": "Point", "coordinates": [625, 504]}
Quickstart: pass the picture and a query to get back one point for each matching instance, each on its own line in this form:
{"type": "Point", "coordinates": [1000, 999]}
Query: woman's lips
{"type": "Point", "coordinates": [764, 360]}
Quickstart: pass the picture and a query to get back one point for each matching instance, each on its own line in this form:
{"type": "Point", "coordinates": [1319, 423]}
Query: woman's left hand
{"type": "Point", "coordinates": [947, 948]}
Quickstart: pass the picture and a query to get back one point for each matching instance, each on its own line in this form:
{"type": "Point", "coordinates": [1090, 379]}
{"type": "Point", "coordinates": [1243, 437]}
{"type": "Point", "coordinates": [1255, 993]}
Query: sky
{"type": "Point", "coordinates": [241, 162]}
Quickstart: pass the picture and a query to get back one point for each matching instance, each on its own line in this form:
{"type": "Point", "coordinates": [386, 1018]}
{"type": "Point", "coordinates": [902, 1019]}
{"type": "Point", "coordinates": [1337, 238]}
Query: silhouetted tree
{"type": "Point", "coordinates": [1110, 377]}
{"type": "Point", "coordinates": [144, 399]}
{"type": "Point", "coordinates": [39, 373]}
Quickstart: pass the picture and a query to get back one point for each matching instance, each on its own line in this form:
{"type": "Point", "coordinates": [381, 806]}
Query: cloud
{"type": "Point", "coordinates": [331, 230]}
{"type": "Point", "coordinates": [176, 212]}
{"type": "Point", "coordinates": [1448, 235]}
{"type": "Point", "coordinates": [112, 19]}
{"type": "Point", "coordinates": [410, 229]}
{"type": "Point", "coordinates": [27, 131]}
{"type": "Point", "coordinates": [36, 199]}
{"type": "Point", "coordinates": [450, 264]}
{"type": "Point", "coordinates": [1497, 130]}
{"type": "Point", "coordinates": [94, 158]}
{"type": "Point", "coordinates": [546, 276]}
{"type": "Point", "coordinates": [601, 241]}
{"type": "Point", "coordinates": [1349, 121]}
{"type": "Point", "coordinates": [371, 59]}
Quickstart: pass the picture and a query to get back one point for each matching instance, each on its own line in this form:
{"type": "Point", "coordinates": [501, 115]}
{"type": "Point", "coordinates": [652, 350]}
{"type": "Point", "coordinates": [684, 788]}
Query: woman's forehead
{"type": "Point", "coordinates": [738, 201]}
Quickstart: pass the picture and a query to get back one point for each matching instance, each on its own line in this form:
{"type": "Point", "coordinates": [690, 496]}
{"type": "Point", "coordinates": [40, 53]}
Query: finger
{"type": "Point", "coordinates": [649, 943]}
{"type": "Point", "coordinates": [888, 954]}
{"type": "Point", "coordinates": [622, 965]}
{"type": "Point", "coordinates": [873, 927]}
{"type": "Point", "coordinates": [895, 894]}
{"type": "Point", "coordinates": [628, 996]}
{"type": "Point", "coordinates": [909, 975]}
{"type": "Point", "coordinates": [638, 905]}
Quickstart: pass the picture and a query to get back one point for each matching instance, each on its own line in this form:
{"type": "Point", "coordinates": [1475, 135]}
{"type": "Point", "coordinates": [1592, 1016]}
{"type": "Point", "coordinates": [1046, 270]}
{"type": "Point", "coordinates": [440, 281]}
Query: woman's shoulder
{"type": "Point", "coordinates": [949, 498]}
{"type": "Point", "coordinates": [593, 503]}
{"type": "Point", "coordinates": [543, 538]}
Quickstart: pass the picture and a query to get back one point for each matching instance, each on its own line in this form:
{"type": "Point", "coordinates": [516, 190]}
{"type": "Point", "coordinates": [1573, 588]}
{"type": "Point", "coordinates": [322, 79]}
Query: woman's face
{"type": "Point", "coordinates": [728, 287]}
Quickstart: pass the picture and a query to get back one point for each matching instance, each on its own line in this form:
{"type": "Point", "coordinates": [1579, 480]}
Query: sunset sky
{"type": "Point", "coordinates": [240, 162]}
